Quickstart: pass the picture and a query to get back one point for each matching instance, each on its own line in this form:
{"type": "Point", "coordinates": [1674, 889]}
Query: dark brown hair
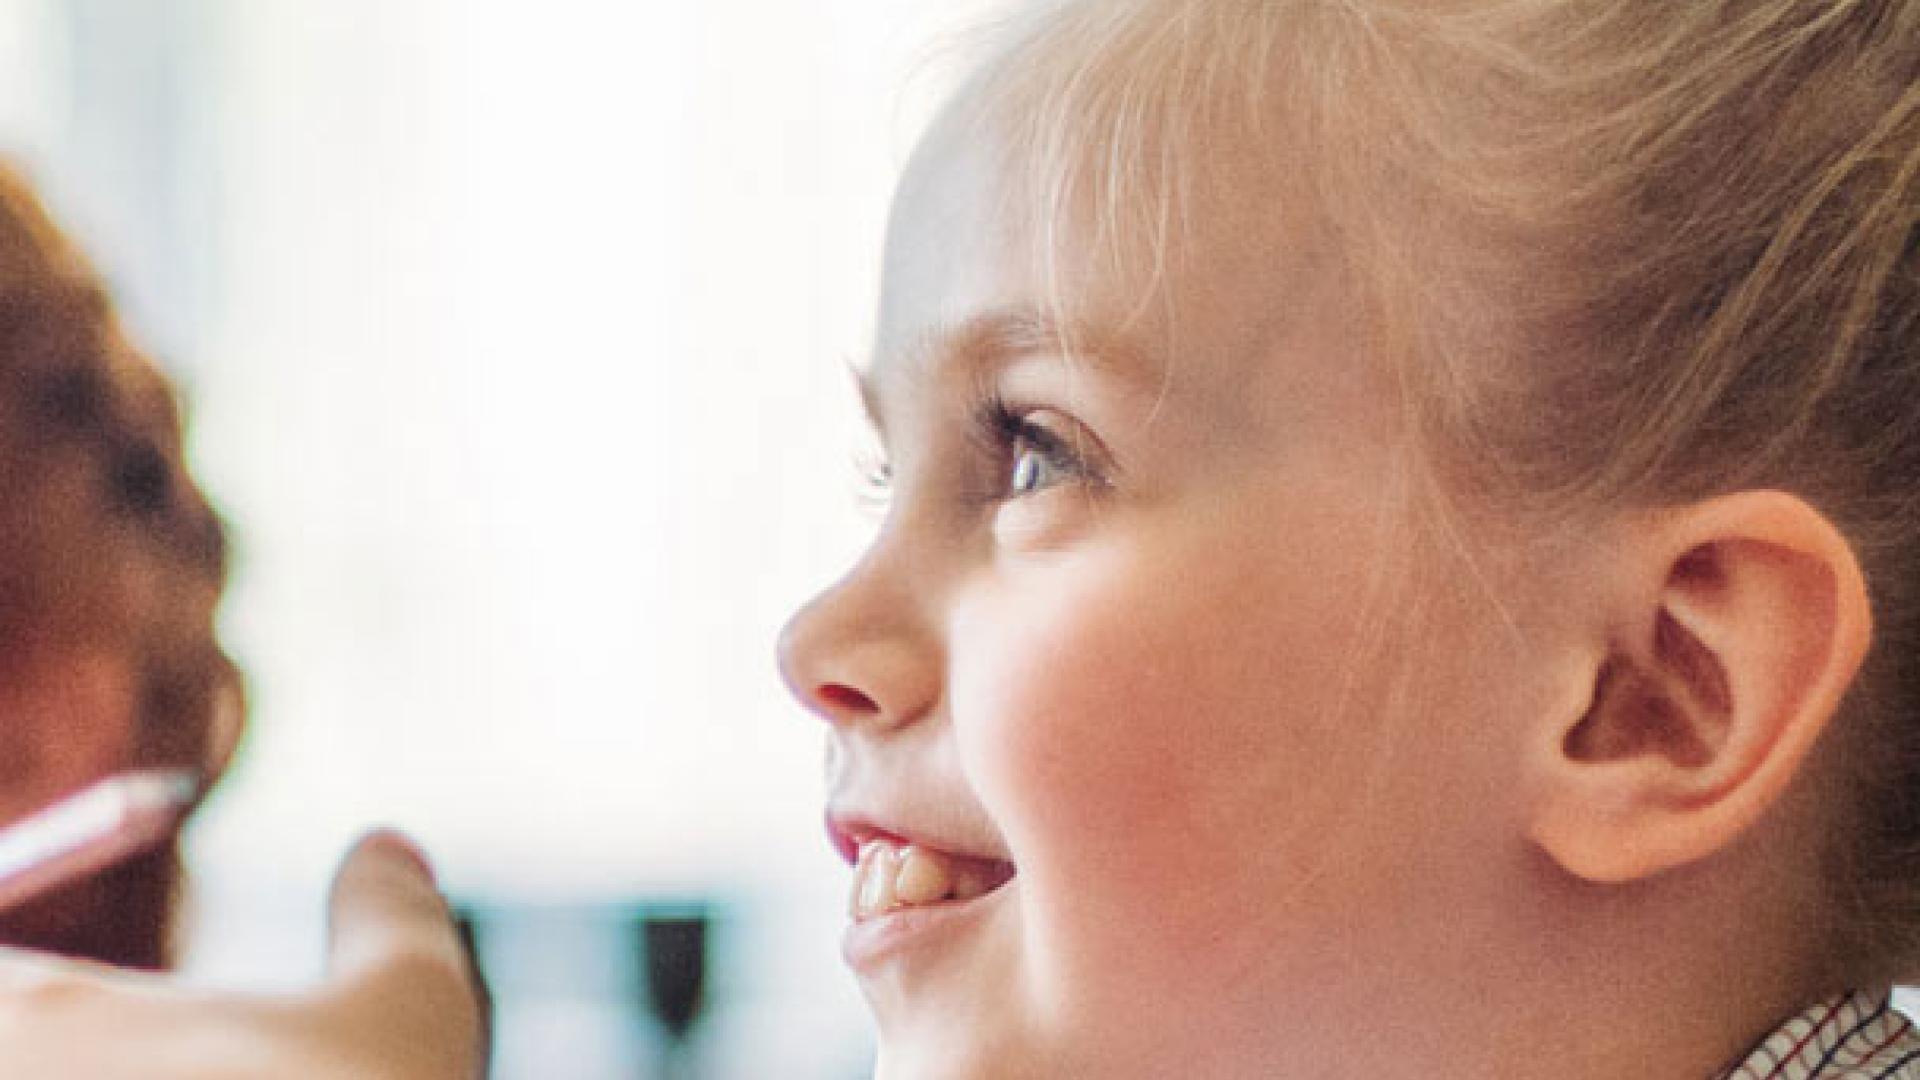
{"type": "Point", "coordinates": [105, 542]}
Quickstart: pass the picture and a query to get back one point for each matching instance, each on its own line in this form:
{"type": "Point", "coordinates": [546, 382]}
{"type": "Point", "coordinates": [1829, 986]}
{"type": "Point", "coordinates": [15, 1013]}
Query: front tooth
{"type": "Point", "coordinates": [862, 867]}
{"type": "Point", "coordinates": [923, 877]}
{"type": "Point", "coordinates": [877, 891]}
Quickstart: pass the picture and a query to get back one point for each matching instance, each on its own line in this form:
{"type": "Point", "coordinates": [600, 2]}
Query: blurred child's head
{"type": "Point", "coordinates": [1390, 503]}
{"type": "Point", "coordinates": [111, 563]}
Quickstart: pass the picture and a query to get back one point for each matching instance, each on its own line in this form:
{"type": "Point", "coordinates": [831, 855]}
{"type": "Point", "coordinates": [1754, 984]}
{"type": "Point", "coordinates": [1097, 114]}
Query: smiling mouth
{"type": "Point", "coordinates": [892, 876]}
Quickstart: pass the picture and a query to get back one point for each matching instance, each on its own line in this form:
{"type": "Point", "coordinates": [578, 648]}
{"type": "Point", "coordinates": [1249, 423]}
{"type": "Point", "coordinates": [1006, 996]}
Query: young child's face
{"type": "Point", "coordinates": [1115, 632]}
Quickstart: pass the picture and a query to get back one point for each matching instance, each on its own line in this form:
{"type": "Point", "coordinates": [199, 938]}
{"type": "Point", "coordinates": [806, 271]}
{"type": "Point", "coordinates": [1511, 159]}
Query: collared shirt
{"type": "Point", "coordinates": [1856, 1036]}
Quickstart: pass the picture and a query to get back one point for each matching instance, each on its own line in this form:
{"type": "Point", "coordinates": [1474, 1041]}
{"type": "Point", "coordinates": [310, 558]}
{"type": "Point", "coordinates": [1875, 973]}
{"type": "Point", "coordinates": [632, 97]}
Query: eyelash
{"type": "Point", "coordinates": [1004, 433]}
{"type": "Point", "coordinates": [1008, 434]}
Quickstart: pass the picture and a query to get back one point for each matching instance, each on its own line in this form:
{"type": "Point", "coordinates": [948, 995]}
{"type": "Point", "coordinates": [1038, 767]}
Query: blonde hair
{"type": "Point", "coordinates": [1629, 253]}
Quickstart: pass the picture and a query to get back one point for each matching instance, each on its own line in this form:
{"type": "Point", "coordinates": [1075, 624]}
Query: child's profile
{"type": "Point", "coordinates": [1402, 559]}
{"type": "Point", "coordinates": [1402, 548]}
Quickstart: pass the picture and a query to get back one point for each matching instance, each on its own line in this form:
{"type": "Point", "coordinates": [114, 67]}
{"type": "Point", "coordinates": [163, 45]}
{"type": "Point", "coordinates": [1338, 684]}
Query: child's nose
{"type": "Point", "coordinates": [854, 659]}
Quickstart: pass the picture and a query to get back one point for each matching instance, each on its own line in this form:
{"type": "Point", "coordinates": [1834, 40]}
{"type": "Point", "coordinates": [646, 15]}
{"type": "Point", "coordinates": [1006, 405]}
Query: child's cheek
{"type": "Point", "coordinates": [1149, 722]}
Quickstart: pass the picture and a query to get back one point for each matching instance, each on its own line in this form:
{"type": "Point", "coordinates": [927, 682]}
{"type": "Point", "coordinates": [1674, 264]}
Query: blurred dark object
{"type": "Point", "coordinates": [676, 966]}
{"type": "Point", "coordinates": [673, 942]}
{"type": "Point", "coordinates": [465, 921]}
{"type": "Point", "coordinates": [595, 990]}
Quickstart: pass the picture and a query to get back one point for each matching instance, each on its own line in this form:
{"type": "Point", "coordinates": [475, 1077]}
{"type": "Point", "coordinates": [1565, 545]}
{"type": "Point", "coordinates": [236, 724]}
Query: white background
{"type": "Point", "coordinates": [515, 336]}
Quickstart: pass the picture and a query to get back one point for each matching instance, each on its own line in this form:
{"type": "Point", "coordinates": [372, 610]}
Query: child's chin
{"type": "Point", "coordinates": [947, 1049]}
{"type": "Point", "coordinates": [956, 1028]}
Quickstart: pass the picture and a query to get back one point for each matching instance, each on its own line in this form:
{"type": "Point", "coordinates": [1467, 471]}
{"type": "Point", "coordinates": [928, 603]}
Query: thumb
{"type": "Point", "coordinates": [409, 994]}
{"type": "Point", "coordinates": [385, 908]}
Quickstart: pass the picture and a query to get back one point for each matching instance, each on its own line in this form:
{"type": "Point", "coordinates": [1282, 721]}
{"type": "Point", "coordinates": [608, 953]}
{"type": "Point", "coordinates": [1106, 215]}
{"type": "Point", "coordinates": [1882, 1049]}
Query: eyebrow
{"type": "Point", "coordinates": [979, 346]}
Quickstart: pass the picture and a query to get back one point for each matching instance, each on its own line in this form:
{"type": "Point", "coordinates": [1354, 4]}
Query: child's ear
{"type": "Point", "coordinates": [66, 718]}
{"type": "Point", "coordinates": [1734, 634]}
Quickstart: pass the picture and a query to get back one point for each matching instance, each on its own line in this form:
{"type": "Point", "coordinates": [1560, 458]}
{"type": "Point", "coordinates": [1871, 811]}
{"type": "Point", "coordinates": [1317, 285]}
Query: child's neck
{"type": "Point", "coordinates": [1672, 978]}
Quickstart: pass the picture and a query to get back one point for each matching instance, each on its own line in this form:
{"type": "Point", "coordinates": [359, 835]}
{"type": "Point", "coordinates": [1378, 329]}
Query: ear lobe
{"type": "Point", "coordinates": [1709, 695]}
{"type": "Point", "coordinates": [66, 718]}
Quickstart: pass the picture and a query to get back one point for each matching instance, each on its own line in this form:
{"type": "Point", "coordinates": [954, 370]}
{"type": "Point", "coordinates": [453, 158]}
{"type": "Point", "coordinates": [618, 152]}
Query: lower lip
{"type": "Point", "coordinates": [871, 942]}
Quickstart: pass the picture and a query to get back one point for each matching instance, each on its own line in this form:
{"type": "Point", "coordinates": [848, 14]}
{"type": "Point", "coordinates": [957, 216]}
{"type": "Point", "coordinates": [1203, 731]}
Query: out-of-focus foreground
{"type": "Point", "coordinates": [513, 336]}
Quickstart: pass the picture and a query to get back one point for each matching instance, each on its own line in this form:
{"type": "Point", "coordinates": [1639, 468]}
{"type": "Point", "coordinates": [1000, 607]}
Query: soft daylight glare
{"type": "Point", "coordinates": [535, 445]}
{"type": "Point", "coordinates": [515, 339]}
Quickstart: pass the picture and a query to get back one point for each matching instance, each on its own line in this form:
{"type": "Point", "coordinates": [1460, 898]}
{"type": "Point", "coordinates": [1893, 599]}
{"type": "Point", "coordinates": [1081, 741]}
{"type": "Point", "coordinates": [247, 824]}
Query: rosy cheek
{"type": "Point", "coordinates": [1135, 719]}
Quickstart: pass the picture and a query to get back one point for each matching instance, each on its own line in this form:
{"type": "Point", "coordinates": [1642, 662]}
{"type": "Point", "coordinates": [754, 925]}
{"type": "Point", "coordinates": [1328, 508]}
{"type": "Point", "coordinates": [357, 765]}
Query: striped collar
{"type": "Point", "coordinates": [1856, 1036]}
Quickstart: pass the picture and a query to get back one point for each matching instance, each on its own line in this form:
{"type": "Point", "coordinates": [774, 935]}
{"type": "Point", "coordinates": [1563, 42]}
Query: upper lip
{"type": "Point", "coordinates": [849, 828]}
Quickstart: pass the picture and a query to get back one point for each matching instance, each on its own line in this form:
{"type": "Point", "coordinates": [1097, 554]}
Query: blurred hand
{"type": "Point", "coordinates": [398, 1002]}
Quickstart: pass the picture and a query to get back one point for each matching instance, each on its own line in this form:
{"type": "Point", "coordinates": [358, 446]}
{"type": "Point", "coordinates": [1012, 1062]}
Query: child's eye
{"type": "Point", "coordinates": [873, 480]}
{"type": "Point", "coordinates": [1036, 457]}
{"type": "Point", "coordinates": [1031, 471]}
{"type": "Point", "coordinates": [1035, 469]}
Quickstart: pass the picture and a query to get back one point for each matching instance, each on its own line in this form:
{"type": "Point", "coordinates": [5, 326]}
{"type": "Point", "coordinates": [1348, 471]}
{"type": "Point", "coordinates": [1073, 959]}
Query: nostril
{"type": "Point", "coordinates": [842, 699]}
